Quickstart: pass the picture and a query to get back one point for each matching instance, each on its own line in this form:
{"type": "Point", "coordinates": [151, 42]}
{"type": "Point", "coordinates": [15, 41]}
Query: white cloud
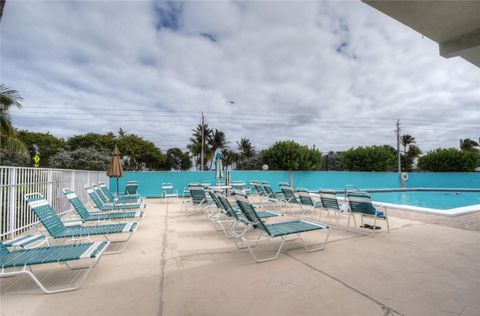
{"type": "Point", "coordinates": [333, 74]}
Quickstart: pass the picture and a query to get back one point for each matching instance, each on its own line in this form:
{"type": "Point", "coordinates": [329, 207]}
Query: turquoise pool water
{"type": "Point", "coordinates": [442, 200]}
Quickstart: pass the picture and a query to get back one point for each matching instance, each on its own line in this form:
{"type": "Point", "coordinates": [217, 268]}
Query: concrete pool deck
{"type": "Point", "coordinates": [180, 265]}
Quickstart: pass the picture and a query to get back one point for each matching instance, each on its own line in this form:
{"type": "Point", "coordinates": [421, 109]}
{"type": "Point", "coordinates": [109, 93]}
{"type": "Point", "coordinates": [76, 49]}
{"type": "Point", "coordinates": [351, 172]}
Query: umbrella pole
{"type": "Point", "coordinates": [117, 187]}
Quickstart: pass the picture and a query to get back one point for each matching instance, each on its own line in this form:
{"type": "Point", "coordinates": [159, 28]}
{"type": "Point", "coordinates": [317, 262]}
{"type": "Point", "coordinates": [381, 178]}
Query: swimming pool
{"type": "Point", "coordinates": [442, 200]}
{"type": "Point", "coordinates": [447, 202]}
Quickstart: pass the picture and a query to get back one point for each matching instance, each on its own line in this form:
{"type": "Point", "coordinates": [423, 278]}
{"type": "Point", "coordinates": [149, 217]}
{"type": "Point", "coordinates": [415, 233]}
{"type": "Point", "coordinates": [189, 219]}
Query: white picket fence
{"type": "Point", "coordinates": [15, 215]}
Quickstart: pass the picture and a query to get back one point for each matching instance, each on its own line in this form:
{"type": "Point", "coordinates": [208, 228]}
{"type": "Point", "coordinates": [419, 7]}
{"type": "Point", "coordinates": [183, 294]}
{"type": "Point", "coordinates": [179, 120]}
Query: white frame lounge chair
{"type": "Point", "coordinates": [18, 262]}
{"type": "Point", "coordinates": [277, 230]}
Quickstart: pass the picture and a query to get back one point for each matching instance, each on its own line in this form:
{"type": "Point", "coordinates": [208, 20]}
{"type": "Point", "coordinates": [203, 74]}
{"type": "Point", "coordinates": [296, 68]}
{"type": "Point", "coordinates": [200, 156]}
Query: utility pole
{"type": "Point", "coordinates": [398, 147]}
{"type": "Point", "coordinates": [203, 142]}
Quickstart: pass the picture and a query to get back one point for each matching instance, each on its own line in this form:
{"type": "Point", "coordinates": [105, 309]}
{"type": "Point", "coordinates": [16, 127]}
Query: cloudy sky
{"type": "Point", "coordinates": [330, 74]}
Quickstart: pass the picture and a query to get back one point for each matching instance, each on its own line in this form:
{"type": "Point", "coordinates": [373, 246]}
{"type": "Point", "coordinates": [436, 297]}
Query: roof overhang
{"type": "Point", "coordinates": [454, 25]}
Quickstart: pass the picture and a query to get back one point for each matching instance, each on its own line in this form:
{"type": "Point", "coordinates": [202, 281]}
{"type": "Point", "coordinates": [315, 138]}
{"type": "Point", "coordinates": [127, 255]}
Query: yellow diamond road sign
{"type": "Point", "coordinates": [36, 159]}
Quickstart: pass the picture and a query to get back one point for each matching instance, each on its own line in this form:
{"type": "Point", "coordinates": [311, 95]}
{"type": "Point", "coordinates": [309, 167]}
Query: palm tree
{"type": "Point", "coordinates": [10, 98]}
{"type": "Point", "coordinates": [406, 140]}
{"type": "Point", "coordinates": [229, 157]}
{"type": "Point", "coordinates": [217, 140]}
{"type": "Point", "coordinates": [245, 147]}
{"type": "Point", "coordinates": [195, 145]}
{"type": "Point", "coordinates": [468, 144]}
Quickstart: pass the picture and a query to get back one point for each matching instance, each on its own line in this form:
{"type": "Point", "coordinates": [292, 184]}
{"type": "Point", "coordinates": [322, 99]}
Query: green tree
{"type": "Point", "coordinates": [10, 98]}
{"type": "Point", "coordinates": [98, 141]}
{"type": "Point", "coordinates": [141, 152]}
{"type": "Point", "coordinates": [178, 160]}
{"type": "Point", "coordinates": [48, 144]}
{"type": "Point", "coordinates": [245, 148]}
{"type": "Point", "coordinates": [449, 160]}
{"type": "Point", "coordinates": [468, 144]}
{"type": "Point", "coordinates": [406, 140]}
{"type": "Point", "coordinates": [289, 155]}
{"type": "Point", "coordinates": [370, 158]}
{"type": "Point", "coordinates": [81, 158]}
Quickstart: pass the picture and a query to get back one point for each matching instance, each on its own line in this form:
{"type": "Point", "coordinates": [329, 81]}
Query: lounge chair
{"type": "Point", "coordinates": [56, 228]}
{"type": "Point", "coordinates": [235, 216]}
{"type": "Point", "coordinates": [262, 196]}
{"type": "Point", "coordinates": [168, 191]}
{"type": "Point", "coordinates": [283, 184]}
{"type": "Point", "coordinates": [361, 203]}
{"type": "Point", "coordinates": [131, 190]}
{"type": "Point", "coordinates": [86, 215]}
{"type": "Point", "coordinates": [277, 198]}
{"type": "Point", "coordinates": [330, 202]}
{"type": "Point", "coordinates": [186, 190]}
{"type": "Point", "coordinates": [280, 230]}
{"type": "Point", "coordinates": [119, 199]}
{"type": "Point", "coordinates": [307, 203]}
{"type": "Point", "coordinates": [198, 199]}
{"type": "Point", "coordinates": [105, 200]}
{"type": "Point", "coordinates": [18, 262]}
{"type": "Point", "coordinates": [110, 206]}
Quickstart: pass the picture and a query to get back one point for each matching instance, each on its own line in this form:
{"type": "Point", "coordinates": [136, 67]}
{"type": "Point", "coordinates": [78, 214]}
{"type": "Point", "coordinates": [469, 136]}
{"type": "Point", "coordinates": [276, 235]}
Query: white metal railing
{"type": "Point", "coordinates": [15, 215]}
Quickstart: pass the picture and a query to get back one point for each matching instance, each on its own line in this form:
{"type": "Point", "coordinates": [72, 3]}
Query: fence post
{"type": "Point", "coordinates": [72, 181]}
{"type": "Point", "coordinates": [12, 182]}
{"type": "Point", "coordinates": [50, 186]}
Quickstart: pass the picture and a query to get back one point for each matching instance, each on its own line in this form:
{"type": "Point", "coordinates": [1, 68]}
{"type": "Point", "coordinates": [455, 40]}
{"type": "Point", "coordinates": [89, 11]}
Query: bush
{"type": "Point", "coordinates": [451, 159]}
{"type": "Point", "coordinates": [81, 158]}
{"type": "Point", "coordinates": [252, 163]}
{"type": "Point", "coordinates": [289, 155]}
{"type": "Point", "coordinates": [9, 158]}
{"type": "Point", "coordinates": [373, 158]}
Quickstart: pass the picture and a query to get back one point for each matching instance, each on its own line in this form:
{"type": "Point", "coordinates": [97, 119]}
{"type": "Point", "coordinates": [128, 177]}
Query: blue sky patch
{"type": "Point", "coordinates": [168, 15]}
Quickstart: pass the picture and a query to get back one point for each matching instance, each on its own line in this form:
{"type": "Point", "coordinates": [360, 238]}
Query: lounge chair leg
{"type": "Point", "coordinates": [252, 252]}
{"type": "Point", "coordinates": [321, 247]}
{"type": "Point", "coordinates": [123, 242]}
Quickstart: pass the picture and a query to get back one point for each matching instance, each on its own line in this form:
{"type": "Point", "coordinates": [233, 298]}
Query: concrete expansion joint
{"type": "Point", "coordinates": [388, 311]}
{"type": "Point", "coordinates": [163, 262]}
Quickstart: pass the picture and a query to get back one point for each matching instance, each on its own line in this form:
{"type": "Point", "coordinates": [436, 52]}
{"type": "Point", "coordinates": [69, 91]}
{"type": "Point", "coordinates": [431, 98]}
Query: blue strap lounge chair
{"type": "Point", "coordinates": [361, 203]}
{"type": "Point", "coordinates": [289, 195]}
{"type": "Point", "coordinates": [282, 230]}
{"type": "Point", "coordinates": [330, 202]}
{"type": "Point", "coordinates": [273, 197]}
{"type": "Point", "coordinates": [56, 228]}
{"type": "Point", "coordinates": [308, 204]}
{"type": "Point", "coordinates": [86, 215]}
{"type": "Point", "coordinates": [106, 200]}
{"type": "Point", "coordinates": [235, 217]}
{"type": "Point", "coordinates": [119, 199]}
{"type": "Point", "coordinates": [168, 191]}
{"type": "Point", "coordinates": [131, 190]}
{"type": "Point", "coordinates": [110, 207]}
{"type": "Point", "coordinates": [198, 199]}
{"type": "Point", "coordinates": [20, 262]}
{"type": "Point", "coordinates": [236, 213]}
